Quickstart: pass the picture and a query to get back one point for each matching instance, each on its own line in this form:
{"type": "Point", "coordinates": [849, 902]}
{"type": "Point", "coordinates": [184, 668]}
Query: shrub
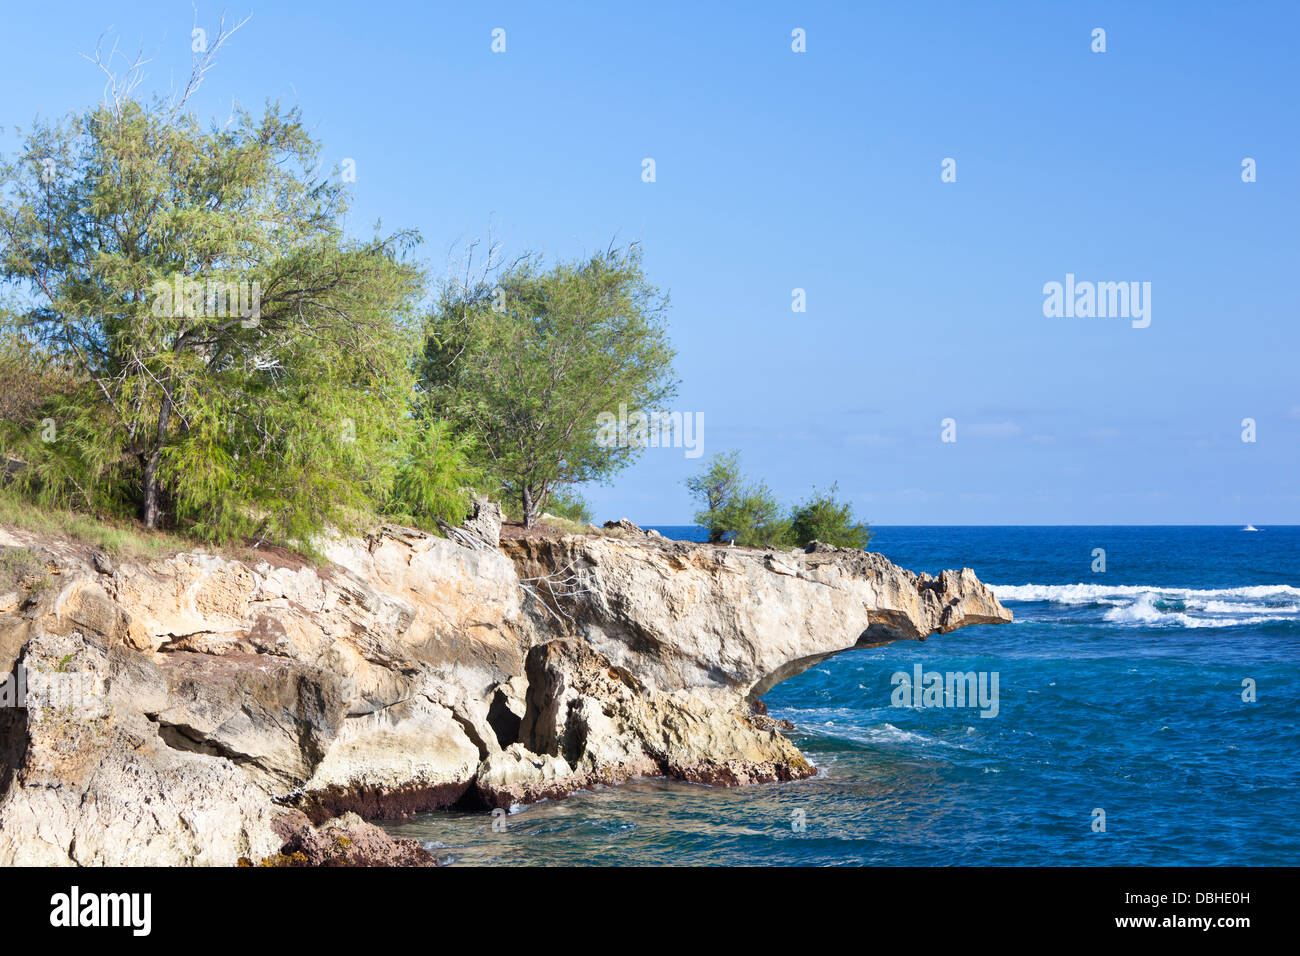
{"type": "Point", "coordinates": [435, 477]}
{"type": "Point", "coordinates": [568, 504]}
{"type": "Point", "coordinates": [823, 518]}
{"type": "Point", "coordinates": [736, 510]}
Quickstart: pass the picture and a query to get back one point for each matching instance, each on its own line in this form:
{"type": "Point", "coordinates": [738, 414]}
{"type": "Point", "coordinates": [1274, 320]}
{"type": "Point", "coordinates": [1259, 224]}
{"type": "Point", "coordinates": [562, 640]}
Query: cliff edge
{"type": "Point", "coordinates": [196, 709]}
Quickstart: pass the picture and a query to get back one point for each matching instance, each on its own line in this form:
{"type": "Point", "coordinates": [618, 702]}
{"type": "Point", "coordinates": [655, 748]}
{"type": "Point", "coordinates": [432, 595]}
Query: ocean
{"type": "Point", "coordinates": [1121, 736]}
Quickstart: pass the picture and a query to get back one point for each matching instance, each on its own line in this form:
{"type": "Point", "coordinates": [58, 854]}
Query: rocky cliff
{"type": "Point", "coordinates": [196, 709]}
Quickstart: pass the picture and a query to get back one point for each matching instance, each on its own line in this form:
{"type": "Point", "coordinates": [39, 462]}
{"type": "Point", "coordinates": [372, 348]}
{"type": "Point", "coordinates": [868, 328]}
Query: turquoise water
{"type": "Point", "coordinates": [1119, 691]}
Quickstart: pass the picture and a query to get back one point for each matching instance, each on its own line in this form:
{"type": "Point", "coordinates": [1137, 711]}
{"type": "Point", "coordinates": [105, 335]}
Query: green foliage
{"type": "Point", "coordinates": [565, 505]}
{"type": "Point", "coordinates": [435, 477]}
{"type": "Point", "coordinates": [755, 519]}
{"type": "Point", "coordinates": [28, 377]}
{"type": "Point", "coordinates": [119, 538]}
{"type": "Point", "coordinates": [823, 518]}
{"type": "Point", "coordinates": [734, 509]}
{"type": "Point", "coordinates": [528, 364]}
{"type": "Point", "coordinates": [719, 484]}
{"type": "Point", "coordinates": [224, 359]}
{"type": "Point", "coordinates": [568, 504]}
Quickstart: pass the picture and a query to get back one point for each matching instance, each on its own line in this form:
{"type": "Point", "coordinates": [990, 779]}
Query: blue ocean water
{"type": "Point", "coordinates": [1119, 691]}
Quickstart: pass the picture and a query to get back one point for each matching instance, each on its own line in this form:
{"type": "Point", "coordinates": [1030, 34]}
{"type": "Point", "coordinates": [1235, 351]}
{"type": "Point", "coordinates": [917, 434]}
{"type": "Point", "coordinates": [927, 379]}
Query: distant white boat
{"type": "Point", "coordinates": [1250, 527]}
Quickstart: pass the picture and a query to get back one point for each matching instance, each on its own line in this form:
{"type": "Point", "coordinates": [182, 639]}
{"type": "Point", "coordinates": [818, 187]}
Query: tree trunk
{"type": "Point", "coordinates": [530, 508]}
{"type": "Point", "coordinates": [149, 509]}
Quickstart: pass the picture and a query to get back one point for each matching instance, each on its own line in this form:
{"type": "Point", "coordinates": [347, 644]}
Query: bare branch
{"type": "Point", "coordinates": [118, 86]}
{"type": "Point", "coordinates": [202, 61]}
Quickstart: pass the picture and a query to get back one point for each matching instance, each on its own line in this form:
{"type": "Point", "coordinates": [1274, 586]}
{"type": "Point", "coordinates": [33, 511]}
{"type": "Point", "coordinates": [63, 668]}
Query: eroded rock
{"type": "Point", "coordinates": [346, 840]}
{"type": "Point", "coordinates": [608, 726]}
{"type": "Point", "coordinates": [726, 623]}
{"type": "Point", "coordinates": [219, 708]}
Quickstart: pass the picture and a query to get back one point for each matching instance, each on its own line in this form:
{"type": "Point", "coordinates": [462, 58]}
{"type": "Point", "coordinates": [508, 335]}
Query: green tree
{"type": "Point", "coordinates": [567, 503]}
{"type": "Point", "coordinates": [29, 379]}
{"type": "Point", "coordinates": [715, 488]}
{"type": "Point", "coordinates": [242, 365]}
{"type": "Point", "coordinates": [823, 518]}
{"type": "Point", "coordinates": [435, 477]}
{"type": "Point", "coordinates": [734, 508]}
{"type": "Point", "coordinates": [528, 363]}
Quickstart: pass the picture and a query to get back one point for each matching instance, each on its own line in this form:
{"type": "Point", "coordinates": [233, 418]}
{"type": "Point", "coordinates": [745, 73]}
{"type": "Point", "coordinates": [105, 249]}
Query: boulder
{"type": "Point", "coordinates": [519, 775]}
{"type": "Point", "coordinates": [623, 526]}
{"type": "Point", "coordinates": [346, 840]}
{"type": "Point", "coordinates": [484, 521]}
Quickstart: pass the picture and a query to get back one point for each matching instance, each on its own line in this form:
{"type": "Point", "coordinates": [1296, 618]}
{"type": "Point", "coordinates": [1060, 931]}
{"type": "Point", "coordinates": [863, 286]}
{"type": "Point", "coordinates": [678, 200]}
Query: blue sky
{"type": "Point", "coordinates": [821, 170]}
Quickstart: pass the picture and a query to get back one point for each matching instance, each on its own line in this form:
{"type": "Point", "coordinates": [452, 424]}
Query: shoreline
{"type": "Point", "coordinates": [418, 673]}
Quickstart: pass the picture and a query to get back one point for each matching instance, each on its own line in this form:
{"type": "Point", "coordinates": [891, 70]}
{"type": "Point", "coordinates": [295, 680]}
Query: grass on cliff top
{"type": "Point", "coordinates": [119, 539]}
{"type": "Point", "coordinates": [568, 525]}
{"type": "Point", "coordinates": [123, 539]}
{"type": "Point", "coordinates": [21, 567]}
{"type": "Point", "coordinates": [549, 526]}
{"type": "Point", "coordinates": [127, 539]}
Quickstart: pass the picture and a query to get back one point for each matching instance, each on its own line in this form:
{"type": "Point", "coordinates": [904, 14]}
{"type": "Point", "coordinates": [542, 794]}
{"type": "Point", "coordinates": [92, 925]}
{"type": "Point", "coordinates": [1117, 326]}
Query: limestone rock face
{"type": "Point", "coordinates": [484, 521]}
{"type": "Point", "coordinates": [609, 726]}
{"type": "Point", "coordinates": [227, 689]}
{"type": "Point", "coordinates": [729, 623]}
{"type": "Point", "coordinates": [197, 709]}
{"type": "Point", "coordinates": [519, 775]}
{"type": "Point", "coordinates": [275, 717]}
{"type": "Point", "coordinates": [89, 781]}
{"type": "Point", "coordinates": [624, 526]}
{"type": "Point", "coordinates": [412, 756]}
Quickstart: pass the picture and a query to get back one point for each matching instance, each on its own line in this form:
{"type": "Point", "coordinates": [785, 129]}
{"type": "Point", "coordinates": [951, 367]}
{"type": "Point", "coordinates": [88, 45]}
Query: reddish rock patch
{"type": "Point", "coordinates": [344, 841]}
{"type": "Point", "coordinates": [374, 803]}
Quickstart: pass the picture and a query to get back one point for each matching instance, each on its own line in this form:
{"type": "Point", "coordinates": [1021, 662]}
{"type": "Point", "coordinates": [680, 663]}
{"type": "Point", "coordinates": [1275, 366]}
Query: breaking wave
{"type": "Point", "coordinates": [1153, 606]}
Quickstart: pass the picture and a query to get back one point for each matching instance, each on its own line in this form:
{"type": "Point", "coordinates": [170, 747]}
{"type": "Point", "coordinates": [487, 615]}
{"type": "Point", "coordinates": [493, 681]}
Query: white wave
{"type": "Point", "coordinates": [1105, 593]}
{"type": "Point", "coordinates": [1234, 621]}
{"type": "Point", "coordinates": [882, 734]}
{"type": "Point", "coordinates": [1234, 607]}
{"type": "Point", "coordinates": [1152, 605]}
{"type": "Point", "coordinates": [1144, 611]}
{"type": "Point", "coordinates": [888, 733]}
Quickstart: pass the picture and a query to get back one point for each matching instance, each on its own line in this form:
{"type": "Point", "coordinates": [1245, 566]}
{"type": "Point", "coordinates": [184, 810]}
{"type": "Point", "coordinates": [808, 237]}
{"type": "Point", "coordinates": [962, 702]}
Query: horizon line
{"type": "Point", "coordinates": [1024, 525]}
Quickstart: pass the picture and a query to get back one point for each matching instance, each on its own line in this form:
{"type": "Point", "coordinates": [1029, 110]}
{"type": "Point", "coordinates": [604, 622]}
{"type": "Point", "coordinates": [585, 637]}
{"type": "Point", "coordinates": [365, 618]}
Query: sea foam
{"type": "Point", "coordinates": [1153, 605]}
